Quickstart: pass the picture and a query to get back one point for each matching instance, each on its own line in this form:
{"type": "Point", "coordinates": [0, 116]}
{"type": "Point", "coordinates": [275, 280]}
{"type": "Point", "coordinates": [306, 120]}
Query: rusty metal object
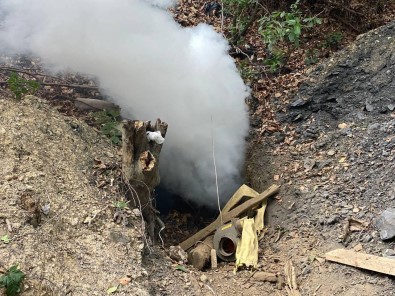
{"type": "Point", "coordinates": [226, 239]}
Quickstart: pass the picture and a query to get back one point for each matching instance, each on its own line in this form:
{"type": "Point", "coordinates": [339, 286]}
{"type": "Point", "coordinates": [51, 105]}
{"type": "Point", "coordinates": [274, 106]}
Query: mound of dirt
{"type": "Point", "coordinates": [56, 212]}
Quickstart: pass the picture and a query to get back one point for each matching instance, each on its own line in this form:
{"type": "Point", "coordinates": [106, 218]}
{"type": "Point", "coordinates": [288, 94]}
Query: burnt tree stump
{"type": "Point", "coordinates": [140, 166]}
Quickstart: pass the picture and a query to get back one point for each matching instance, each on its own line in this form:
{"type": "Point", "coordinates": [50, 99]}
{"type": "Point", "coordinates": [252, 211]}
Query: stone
{"type": "Point", "coordinates": [389, 253]}
{"type": "Point", "coordinates": [203, 278]}
{"type": "Point", "coordinates": [309, 163]}
{"type": "Point", "coordinates": [306, 270]}
{"type": "Point", "coordinates": [178, 254]}
{"type": "Point", "coordinates": [298, 103]}
{"type": "Point", "coordinates": [332, 220]}
{"type": "Point", "coordinates": [386, 224]}
{"type": "Point", "coordinates": [391, 107]}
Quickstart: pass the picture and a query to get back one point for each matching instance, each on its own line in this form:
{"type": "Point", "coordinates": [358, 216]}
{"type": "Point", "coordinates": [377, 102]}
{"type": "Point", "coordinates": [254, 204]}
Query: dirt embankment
{"type": "Point", "coordinates": [335, 162]}
{"type": "Point", "coordinates": [60, 224]}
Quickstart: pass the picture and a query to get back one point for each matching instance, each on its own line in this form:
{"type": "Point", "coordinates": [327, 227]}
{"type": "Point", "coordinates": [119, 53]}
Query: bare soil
{"type": "Point", "coordinates": [334, 160]}
{"type": "Point", "coordinates": [51, 163]}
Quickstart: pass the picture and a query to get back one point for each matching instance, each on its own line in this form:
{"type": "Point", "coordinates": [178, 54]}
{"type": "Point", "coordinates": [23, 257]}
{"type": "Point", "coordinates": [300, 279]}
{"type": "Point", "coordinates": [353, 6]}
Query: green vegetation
{"type": "Point", "coordinates": [121, 204]}
{"type": "Point", "coordinates": [5, 239]}
{"type": "Point", "coordinates": [333, 40]}
{"type": "Point", "coordinates": [284, 29]}
{"type": "Point", "coordinates": [244, 13]}
{"type": "Point", "coordinates": [20, 86]}
{"type": "Point", "coordinates": [312, 57]}
{"type": "Point", "coordinates": [12, 280]}
{"type": "Point", "coordinates": [281, 30]}
{"type": "Point", "coordinates": [109, 121]}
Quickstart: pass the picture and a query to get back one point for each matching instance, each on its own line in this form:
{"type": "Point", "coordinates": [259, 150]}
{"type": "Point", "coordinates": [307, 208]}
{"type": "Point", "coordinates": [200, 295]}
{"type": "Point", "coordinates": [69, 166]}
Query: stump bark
{"type": "Point", "coordinates": [140, 166]}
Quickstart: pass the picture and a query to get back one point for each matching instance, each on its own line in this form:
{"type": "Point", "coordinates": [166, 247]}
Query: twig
{"type": "Point", "coordinates": [141, 212]}
{"type": "Point", "coordinates": [222, 18]}
{"type": "Point", "coordinates": [162, 225]}
{"type": "Point", "coordinates": [211, 289]}
{"type": "Point", "coordinates": [24, 71]}
{"type": "Point", "coordinates": [96, 213]}
{"type": "Point", "coordinates": [83, 86]}
{"type": "Point", "coordinates": [245, 282]}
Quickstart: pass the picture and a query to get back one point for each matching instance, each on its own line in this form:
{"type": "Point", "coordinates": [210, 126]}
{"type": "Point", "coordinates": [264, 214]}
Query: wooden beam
{"type": "Point", "coordinates": [226, 217]}
{"type": "Point", "coordinates": [361, 260]}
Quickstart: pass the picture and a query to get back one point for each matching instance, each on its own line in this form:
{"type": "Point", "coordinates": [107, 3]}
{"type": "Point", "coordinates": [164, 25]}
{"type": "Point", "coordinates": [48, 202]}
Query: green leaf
{"type": "Point", "coordinates": [121, 204]}
{"type": "Point", "coordinates": [5, 239]}
{"type": "Point", "coordinates": [12, 280]}
{"type": "Point", "coordinates": [181, 267]}
{"type": "Point", "coordinates": [297, 30]}
{"type": "Point", "coordinates": [112, 289]}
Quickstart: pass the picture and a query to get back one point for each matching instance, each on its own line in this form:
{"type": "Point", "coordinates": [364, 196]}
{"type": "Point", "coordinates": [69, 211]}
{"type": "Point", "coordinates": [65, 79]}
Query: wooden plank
{"type": "Point", "coordinates": [361, 260]}
{"type": "Point", "coordinates": [243, 191]}
{"type": "Point", "coordinates": [226, 217]}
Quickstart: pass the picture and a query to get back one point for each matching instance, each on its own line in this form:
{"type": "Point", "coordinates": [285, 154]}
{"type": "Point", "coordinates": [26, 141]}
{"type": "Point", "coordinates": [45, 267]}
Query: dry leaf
{"type": "Point", "coordinates": [343, 159]}
{"type": "Point", "coordinates": [124, 281]}
{"type": "Point", "coordinates": [320, 260]}
{"type": "Point", "coordinates": [331, 152]}
{"type": "Point", "coordinates": [358, 248]}
{"type": "Point", "coordinates": [357, 225]}
{"type": "Point", "coordinates": [276, 177]}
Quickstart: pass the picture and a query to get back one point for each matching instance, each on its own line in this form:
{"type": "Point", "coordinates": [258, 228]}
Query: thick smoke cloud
{"type": "Point", "coordinates": [152, 68]}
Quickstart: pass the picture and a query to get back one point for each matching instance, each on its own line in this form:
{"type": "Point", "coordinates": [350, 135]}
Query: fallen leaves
{"type": "Point", "coordinates": [124, 281]}
{"type": "Point", "coordinates": [112, 289]}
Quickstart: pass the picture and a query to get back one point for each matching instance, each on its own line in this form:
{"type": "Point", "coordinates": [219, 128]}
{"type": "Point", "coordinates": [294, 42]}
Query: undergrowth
{"type": "Point", "coordinates": [12, 280]}
{"type": "Point", "coordinates": [109, 121]}
{"type": "Point", "coordinates": [20, 86]}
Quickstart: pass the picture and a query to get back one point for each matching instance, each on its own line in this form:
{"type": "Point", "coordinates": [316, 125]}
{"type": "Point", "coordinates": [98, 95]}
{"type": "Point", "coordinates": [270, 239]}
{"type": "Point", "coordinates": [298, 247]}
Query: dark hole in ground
{"type": "Point", "coordinates": [182, 218]}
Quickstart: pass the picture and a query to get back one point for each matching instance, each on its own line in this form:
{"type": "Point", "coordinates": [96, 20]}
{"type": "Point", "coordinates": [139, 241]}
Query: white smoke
{"type": "Point", "coordinates": [152, 68]}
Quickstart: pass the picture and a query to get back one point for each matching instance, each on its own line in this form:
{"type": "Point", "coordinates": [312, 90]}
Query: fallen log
{"type": "Point", "coordinates": [361, 260]}
{"type": "Point", "coordinates": [265, 276]}
{"type": "Point", "coordinates": [228, 216]}
{"type": "Point", "coordinates": [199, 257]}
{"type": "Point", "coordinates": [88, 104]}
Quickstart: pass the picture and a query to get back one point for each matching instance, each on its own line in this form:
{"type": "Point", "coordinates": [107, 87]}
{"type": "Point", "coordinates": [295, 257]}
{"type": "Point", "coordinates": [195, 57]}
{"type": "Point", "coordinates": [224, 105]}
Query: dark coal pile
{"type": "Point", "coordinates": [355, 83]}
{"type": "Point", "coordinates": [344, 119]}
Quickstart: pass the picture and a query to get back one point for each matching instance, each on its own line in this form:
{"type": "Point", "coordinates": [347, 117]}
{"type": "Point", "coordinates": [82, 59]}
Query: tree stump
{"type": "Point", "coordinates": [140, 166]}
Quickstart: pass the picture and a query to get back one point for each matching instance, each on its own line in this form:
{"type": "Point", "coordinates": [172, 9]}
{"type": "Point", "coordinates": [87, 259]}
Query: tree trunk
{"type": "Point", "coordinates": [140, 166]}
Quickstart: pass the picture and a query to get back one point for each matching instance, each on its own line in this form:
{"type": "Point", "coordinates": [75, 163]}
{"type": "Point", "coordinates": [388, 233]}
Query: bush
{"type": "Point", "coordinates": [20, 86]}
{"type": "Point", "coordinates": [284, 28]}
{"type": "Point", "coordinates": [109, 121]}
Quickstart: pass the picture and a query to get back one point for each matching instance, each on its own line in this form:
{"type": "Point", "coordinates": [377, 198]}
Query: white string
{"type": "Point", "coordinates": [215, 168]}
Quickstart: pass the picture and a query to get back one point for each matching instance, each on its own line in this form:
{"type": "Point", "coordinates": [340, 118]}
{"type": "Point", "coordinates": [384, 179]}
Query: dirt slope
{"type": "Point", "coordinates": [77, 249]}
{"type": "Point", "coordinates": [335, 161]}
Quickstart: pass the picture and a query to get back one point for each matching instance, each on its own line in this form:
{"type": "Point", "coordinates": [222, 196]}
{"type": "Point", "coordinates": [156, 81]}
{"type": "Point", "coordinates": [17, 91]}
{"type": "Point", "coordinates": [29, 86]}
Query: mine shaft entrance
{"type": "Point", "coordinates": [181, 217]}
